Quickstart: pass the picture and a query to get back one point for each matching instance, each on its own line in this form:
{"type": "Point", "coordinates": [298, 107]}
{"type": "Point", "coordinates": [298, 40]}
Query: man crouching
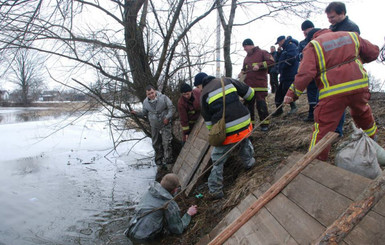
{"type": "Point", "coordinates": [157, 213]}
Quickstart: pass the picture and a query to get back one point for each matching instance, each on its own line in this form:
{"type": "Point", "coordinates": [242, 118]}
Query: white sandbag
{"type": "Point", "coordinates": [359, 155]}
{"type": "Point", "coordinates": [380, 153]}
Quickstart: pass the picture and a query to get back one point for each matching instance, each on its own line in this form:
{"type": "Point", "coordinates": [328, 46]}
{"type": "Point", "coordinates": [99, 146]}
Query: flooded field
{"type": "Point", "coordinates": [62, 184]}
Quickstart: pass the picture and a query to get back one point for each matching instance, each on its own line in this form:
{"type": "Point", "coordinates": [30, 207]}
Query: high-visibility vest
{"type": "Point", "coordinates": [343, 43]}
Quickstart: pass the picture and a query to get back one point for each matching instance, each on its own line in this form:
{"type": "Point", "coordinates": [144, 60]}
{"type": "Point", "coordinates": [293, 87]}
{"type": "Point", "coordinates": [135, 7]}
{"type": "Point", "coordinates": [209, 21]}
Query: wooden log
{"type": "Point", "coordinates": [274, 189]}
{"type": "Point", "coordinates": [356, 211]}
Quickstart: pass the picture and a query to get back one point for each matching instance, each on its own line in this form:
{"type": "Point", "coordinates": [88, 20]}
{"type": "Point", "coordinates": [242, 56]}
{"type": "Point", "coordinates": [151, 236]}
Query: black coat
{"type": "Point", "coordinates": [346, 25]}
{"type": "Point", "coordinates": [288, 60]}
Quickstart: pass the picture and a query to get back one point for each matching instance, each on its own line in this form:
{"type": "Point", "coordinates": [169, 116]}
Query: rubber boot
{"type": "Point", "coordinates": [278, 112]}
{"type": "Point", "coordinates": [293, 109]}
{"type": "Point", "coordinates": [310, 117]}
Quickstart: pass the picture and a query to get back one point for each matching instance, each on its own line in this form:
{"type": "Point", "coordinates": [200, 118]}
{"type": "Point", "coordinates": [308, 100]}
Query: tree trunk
{"type": "Point", "coordinates": [136, 54]}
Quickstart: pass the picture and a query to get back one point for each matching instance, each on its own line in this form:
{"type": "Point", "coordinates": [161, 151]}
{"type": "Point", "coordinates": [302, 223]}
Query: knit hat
{"type": "Point", "coordinates": [280, 38]}
{"type": "Point", "coordinates": [198, 78]}
{"type": "Point", "coordinates": [307, 24]}
{"type": "Point", "coordinates": [247, 41]}
{"type": "Point", "coordinates": [311, 33]}
{"type": "Point", "coordinates": [185, 88]}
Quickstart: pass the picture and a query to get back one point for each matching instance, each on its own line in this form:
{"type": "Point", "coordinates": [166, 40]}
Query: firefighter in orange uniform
{"type": "Point", "coordinates": [335, 60]}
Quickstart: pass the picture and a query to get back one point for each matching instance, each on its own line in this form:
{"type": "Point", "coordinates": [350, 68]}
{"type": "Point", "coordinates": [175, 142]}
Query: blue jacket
{"type": "Point", "coordinates": [288, 60]}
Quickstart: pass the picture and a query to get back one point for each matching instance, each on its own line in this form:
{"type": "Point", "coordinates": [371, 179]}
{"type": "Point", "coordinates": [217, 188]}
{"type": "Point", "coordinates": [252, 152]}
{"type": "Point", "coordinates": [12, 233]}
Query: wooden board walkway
{"type": "Point", "coordinates": [302, 211]}
{"type": "Point", "coordinates": [191, 160]}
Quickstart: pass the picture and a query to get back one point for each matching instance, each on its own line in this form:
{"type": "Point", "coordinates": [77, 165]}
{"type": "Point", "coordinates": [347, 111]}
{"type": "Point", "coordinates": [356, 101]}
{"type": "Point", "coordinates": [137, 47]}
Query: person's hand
{"type": "Point", "coordinates": [185, 137]}
{"type": "Point", "coordinates": [166, 121]}
{"type": "Point", "coordinates": [255, 67]}
{"type": "Point", "coordinates": [192, 210]}
{"type": "Point", "coordinates": [287, 99]}
{"type": "Point", "coordinates": [240, 74]}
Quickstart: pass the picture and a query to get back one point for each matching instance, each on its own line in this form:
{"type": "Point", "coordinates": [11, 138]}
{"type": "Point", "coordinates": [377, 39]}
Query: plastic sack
{"type": "Point", "coordinates": [359, 155]}
{"type": "Point", "coordinates": [380, 153]}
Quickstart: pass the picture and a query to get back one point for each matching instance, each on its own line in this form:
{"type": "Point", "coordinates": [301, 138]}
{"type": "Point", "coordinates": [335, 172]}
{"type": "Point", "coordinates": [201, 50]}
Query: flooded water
{"type": "Point", "coordinates": [61, 188]}
{"type": "Point", "coordinates": [26, 114]}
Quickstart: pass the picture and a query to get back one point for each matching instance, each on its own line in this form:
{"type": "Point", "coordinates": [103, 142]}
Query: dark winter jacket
{"type": "Point", "coordinates": [189, 111]}
{"type": "Point", "coordinates": [237, 116]}
{"type": "Point", "coordinates": [345, 25]}
{"type": "Point", "coordinates": [288, 59]}
{"type": "Point", "coordinates": [145, 227]}
{"type": "Point", "coordinates": [257, 79]}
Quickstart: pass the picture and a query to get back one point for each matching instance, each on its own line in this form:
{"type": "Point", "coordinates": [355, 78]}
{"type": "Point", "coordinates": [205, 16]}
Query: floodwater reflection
{"type": "Point", "coordinates": [48, 195]}
{"type": "Point", "coordinates": [27, 114]}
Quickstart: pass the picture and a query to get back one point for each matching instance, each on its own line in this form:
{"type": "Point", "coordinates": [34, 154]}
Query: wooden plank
{"type": "Point", "coordinates": [204, 240]}
{"type": "Point", "coordinates": [275, 188]}
{"type": "Point", "coordinates": [369, 231]}
{"type": "Point", "coordinates": [200, 171]}
{"type": "Point", "coordinates": [261, 229]}
{"type": "Point", "coordinates": [191, 154]}
{"type": "Point", "coordinates": [299, 224]}
{"type": "Point", "coordinates": [380, 207]}
{"type": "Point", "coordinates": [355, 212]}
{"type": "Point", "coordinates": [230, 217]}
{"type": "Point", "coordinates": [320, 202]}
{"type": "Point", "coordinates": [337, 179]}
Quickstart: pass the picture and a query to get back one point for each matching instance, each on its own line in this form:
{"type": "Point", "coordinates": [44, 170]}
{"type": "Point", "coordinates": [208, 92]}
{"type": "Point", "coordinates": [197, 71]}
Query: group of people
{"type": "Point", "coordinates": [328, 64]}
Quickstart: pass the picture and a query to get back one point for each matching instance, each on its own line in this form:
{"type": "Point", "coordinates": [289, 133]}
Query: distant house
{"type": "Point", "coordinates": [4, 95]}
{"type": "Point", "coordinates": [51, 95]}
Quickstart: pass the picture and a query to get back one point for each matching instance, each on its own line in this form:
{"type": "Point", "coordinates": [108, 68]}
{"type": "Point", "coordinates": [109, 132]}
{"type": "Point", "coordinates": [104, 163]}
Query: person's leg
{"type": "Point", "coordinates": [278, 100]}
{"type": "Point", "coordinates": [362, 113]}
{"type": "Point", "coordinates": [246, 154]}
{"type": "Point", "coordinates": [215, 180]}
{"type": "Point", "coordinates": [340, 126]}
{"type": "Point", "coordinates": [326, 116]}
{"type": "Point", "coordinates": [251, 106]}
{"type": "Point", "coordinates": [166, 144]}
{"type": "Point", "coordinates": [275, 81]}
{"type": "Point", "coordinates": [262, 109]}
{"type": "Point", "coordinates": [157, 145]}
{"type": "Point", "coordinates": [311, 91]}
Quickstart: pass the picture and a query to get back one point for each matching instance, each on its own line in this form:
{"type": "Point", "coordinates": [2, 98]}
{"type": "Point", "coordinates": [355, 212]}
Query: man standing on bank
{"type": "Point", "coordinates": [255, 67]}
{"type": "Point", "coordinates": [158, 109]}
{"type": "Point", "coordinates": [335, 60]}
{"type": "Point", "coordinates": [189, 108]}
{"type": "Point", "coordinates": [336, 14]}
{"type": "Point", "coordinates": [238, 125]}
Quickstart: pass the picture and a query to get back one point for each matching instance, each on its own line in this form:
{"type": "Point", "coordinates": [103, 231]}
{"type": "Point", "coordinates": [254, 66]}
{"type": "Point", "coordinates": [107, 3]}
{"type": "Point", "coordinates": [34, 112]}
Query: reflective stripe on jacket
{"type": "Point", "coordinates": [335, 60]}
{"type": "Point", "coordinates": [257, 79]}
{"type": "Point", "coordinates": [237, 116]}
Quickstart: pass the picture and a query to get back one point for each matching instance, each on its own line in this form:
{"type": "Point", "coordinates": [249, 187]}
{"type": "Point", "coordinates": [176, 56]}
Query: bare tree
{"type": "Point", "coordinates": [25, 72]}
{"type": "Point", "coordinates": [129, 44]}
{"type": "Point", "coordinates": [375, 84]}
